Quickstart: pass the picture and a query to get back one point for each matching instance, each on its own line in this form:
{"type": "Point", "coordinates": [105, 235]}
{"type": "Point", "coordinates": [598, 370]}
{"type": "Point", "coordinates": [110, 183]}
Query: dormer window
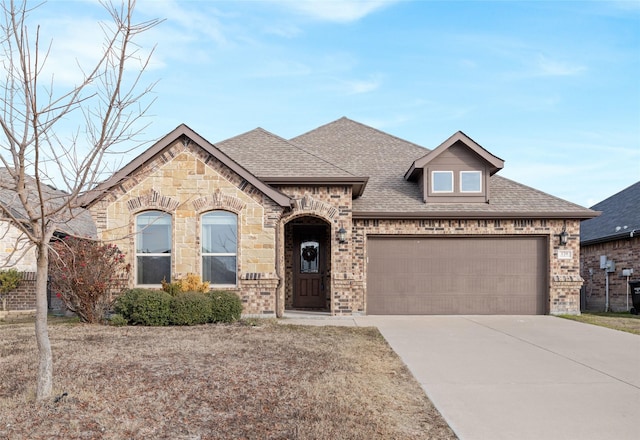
{"type": "Point", "coordinates": [442, 181]}
{"type": "Point", "coordinates": [457, 171]}
{"type": "Point", "coordinates": [470, 181]}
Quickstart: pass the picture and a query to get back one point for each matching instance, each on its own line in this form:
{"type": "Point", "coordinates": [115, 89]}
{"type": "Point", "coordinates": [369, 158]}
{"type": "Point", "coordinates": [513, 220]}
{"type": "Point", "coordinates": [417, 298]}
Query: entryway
{"type": "Point", "coordinates": [308, 261]}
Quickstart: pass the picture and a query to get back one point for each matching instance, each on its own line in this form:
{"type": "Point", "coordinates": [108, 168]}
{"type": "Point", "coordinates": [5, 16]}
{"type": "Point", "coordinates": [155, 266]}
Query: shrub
{"type": "Point", "coordinates": [225, 306]}
{"type": "Point", "coordinates": [118, 320]}
{"type": "Point", "coordinates": [84, 273]}
{"type": "Point", "coordinates": [191, 283]}
{"type": "Point", "coordinates": [145, 307]}
{"type": "Point", "coordinates": [173, 288]}
{"type": "Point", "coordinates": [190, 308]}
{"type": "Point", "coordinates": [9, 280]}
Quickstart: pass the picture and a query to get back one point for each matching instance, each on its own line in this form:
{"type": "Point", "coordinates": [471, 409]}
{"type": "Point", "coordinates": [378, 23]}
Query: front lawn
{"type": "Point", "coordinates": [625, 322]}
{"type": "Point", "coordinates": [238, 381]}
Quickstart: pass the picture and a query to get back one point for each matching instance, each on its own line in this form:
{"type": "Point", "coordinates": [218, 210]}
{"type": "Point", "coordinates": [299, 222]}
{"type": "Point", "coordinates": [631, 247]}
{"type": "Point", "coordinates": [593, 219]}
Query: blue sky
{"type": "Point", "coordinates": [551, 87]}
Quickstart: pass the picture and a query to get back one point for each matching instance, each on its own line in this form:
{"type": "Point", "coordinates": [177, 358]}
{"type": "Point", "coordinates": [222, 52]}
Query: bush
{"type": "Point", "coordinates": [145, 307]}
{"type": "Point", "coordinates": [191, 283]}
{"type": "Point", "coordinates": [9, 280]}
{"type": "Point", "coordinates": [190, 308]}
{"type": "Point", "coordinates": [118, 320]}
{"type": "Point", "coordinates": [84, 273]}
{"type": "Point", "coordinates": [225, 306]}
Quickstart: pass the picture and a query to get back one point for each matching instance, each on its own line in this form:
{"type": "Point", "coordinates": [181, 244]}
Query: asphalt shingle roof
{"type": "Point", "coordinates": [620, 216]}
{"type": "Point", "coordinates": [366, 151]}
{"type": "Point", "coordinates": [266, 155]}
{"type": "Point", "coordinates": [77, 222]}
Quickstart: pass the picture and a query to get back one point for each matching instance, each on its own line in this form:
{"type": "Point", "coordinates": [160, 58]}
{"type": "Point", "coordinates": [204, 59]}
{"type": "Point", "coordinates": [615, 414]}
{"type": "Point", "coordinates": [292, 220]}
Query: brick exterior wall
{"type": "Point", "coordinates": [24, 296]}
{"type": "Point", "coordinates": [330, 206]}
{"type": "Point", "coordinates": [626, 255]}
{"type": "Point", "coordinates": [564, 277]}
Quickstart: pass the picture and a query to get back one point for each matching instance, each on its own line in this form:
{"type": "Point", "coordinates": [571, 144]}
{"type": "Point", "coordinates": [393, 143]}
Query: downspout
{"type": "Point", "coordinates": [606, 291]}
{"type": "Point", "coordinates": [278, 268]}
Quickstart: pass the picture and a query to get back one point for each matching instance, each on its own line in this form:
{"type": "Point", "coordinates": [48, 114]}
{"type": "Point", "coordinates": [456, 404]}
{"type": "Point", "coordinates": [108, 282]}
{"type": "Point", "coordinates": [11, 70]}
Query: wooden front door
{"type": "Point", "coordinates": [309, 289]}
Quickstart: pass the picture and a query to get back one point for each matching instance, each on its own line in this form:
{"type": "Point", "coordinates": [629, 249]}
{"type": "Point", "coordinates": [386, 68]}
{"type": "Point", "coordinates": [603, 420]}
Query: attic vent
{"type": "Point", "coordinates": [243, 184]}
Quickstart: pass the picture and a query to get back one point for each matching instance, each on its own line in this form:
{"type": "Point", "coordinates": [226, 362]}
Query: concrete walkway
{"type": "Point", "coordinates": [518, 377]}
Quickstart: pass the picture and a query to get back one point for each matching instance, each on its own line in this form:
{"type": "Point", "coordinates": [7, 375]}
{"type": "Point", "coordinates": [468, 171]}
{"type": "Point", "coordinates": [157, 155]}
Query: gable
{"type": "Point", "coordinates": [458, 170]}
{"type": "Point", "coordinates": [164, 150]}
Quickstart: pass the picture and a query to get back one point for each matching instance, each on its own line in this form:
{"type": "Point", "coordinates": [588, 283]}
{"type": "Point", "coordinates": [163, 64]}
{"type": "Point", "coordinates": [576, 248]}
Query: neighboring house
{"type": "Point", "coordinates": [345, 219]}
{"type": "Point", "coordinates": [614, 239]}
{"type": "Point", "coordinates": [16, 251]}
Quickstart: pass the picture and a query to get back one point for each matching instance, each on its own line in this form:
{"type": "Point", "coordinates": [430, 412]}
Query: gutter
{"type": "Point", "coordinates": [608, 238]}
{"type": "Point", "coordinates": [454, 215]}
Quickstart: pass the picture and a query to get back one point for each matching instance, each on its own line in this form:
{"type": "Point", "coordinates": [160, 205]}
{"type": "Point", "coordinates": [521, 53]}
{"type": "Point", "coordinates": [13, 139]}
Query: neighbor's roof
{"type": "Point", "coordinates": [77, 222]}
{"type": "Point", "coordinates": [366, 151]}
{"type": "Point", "coordinates": [620, 217]}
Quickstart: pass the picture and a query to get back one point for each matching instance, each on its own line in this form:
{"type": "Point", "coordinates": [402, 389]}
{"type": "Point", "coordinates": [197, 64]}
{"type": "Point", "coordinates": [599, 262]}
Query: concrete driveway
{"type": "Point", "coordinates": [522, 377]}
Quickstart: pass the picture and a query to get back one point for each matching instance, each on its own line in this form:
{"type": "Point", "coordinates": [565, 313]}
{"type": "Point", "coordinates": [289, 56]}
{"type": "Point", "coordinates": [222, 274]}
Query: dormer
{"type": "Point", "coordinates": [457, 171]}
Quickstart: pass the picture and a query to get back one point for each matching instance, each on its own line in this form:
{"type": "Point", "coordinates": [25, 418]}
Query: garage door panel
{"type": "Point", "coordinates": [477, 275]}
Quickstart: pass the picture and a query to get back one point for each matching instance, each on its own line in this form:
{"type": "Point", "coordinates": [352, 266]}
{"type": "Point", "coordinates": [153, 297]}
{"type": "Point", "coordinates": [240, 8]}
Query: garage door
{"type": "Point", "coordinates": [456, 275]}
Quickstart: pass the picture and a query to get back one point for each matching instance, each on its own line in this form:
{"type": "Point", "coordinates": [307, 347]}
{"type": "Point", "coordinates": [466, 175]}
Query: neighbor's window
{"type": "Point", "coordinates": [219, 247]}
{"type": "Point", "coordinates": [470, 181]}
{"type": "Point", "coordinates": [442, 181]}
{"type": "Point", "coordinates": [153, 247]}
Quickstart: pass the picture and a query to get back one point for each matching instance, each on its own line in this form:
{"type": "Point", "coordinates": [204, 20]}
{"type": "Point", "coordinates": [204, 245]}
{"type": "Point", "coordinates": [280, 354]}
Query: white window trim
{"type": "Point", "coordinates": [219, 254]}
{"type": "Point", "coordinates": [154, 254]}
{"type": "Point", "coordinates": [479, 173]}
{"type": "Point", "coordinates": [433, 173]}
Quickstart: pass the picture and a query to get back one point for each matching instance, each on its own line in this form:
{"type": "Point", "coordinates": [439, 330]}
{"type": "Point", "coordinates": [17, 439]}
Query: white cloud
{"type": "Point", "coordinates": [341, 11]}
{"type": "Point", "coordinates": [356, 87]}
{"type": "Point", "coordinates": [549, 67]}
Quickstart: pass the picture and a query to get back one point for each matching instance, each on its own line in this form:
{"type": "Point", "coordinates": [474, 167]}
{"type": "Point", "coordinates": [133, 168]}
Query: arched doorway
{"type": "Point", "coordinates": [308, 264]}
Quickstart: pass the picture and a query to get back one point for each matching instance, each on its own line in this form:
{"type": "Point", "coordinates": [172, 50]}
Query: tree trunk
{"type": "Point", "coordinates": [45, 358]}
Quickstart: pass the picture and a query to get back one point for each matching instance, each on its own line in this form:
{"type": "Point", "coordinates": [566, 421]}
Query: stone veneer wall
{"type": "Point", "coordinates": [564, 278]}
{"type": "Point", "coordinates": [184, 181]}
{"type": "Point", "coordinates": [626, 255]}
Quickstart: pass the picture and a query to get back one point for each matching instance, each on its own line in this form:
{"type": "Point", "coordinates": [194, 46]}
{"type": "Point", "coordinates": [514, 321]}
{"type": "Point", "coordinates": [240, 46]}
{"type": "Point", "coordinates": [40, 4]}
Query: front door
{"type": "Point", "coordinates": [309, 289]}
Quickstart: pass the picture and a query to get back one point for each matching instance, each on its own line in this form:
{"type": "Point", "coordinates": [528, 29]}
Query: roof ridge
{"type": "Point", "coordinates": [377, 130]}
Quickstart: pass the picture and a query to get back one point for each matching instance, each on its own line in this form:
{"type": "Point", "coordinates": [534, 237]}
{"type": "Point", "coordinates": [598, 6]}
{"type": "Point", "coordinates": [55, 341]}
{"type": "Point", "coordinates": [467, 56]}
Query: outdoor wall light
{"type": "Point", "coordinates": [563, 237]}
{"type": "Point", "coordinates": [342, 235]}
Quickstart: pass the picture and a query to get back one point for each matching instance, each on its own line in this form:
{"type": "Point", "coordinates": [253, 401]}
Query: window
{"type": "Point", "coordinates": [153, 247]}
{"type": "Point", "coordinates": [470, 181]}
{"type": "Point", "coordinates": [309, 256]}
{"type": "Point", "coordinates": [442, 181]}
{"type": "Point", "coordinates": [219, 247]}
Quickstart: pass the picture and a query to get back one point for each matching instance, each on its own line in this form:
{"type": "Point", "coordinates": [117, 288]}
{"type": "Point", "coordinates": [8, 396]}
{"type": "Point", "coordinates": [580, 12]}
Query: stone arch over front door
{"type": "Point", "coordinates": [307, 258]}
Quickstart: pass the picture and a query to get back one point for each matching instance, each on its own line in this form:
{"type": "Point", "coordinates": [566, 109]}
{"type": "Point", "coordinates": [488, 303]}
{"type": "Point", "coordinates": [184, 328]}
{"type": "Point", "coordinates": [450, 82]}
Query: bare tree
{"type": "Point", "coordinates": [36, 148]}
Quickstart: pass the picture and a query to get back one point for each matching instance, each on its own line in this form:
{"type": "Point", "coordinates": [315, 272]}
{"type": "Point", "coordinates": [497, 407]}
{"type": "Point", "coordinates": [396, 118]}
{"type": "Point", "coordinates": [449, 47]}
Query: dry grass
{"type": "Point", "coordinates": [237, 381]}
{"type": "Point", "coordinates": [617, 321]}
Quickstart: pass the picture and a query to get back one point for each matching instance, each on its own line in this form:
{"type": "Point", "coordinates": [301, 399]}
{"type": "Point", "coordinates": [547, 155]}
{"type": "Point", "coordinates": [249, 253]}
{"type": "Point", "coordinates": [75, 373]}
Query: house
{"type": "Point", "coordinates": [610, 251]}
{"type": "Point", "coordinates": [16, 251]}
{"type": "Point", "coordinates": [346, 219]}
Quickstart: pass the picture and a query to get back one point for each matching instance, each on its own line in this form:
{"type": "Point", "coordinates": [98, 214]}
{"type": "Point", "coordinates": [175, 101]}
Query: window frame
{"type": "Point", "coordinates": [204, 254]}
{"type": "Point", "coordinates": [138, 238]}
{"type": "Point", "coordinates": [433, 182]}
{"type": "Point", "coordinates": [471, 172]}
